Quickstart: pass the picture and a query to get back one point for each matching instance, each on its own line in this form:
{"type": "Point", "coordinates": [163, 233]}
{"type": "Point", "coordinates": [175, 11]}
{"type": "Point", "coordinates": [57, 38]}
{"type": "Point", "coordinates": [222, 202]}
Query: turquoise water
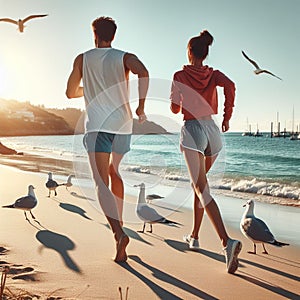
{"type": "Point", "coordinates": [262, 165]}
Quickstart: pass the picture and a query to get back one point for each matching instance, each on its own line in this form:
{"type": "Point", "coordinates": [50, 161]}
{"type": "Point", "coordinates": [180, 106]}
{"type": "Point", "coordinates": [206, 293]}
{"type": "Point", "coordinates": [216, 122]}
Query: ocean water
{"type": "Point", "coordinates": [262, 165]}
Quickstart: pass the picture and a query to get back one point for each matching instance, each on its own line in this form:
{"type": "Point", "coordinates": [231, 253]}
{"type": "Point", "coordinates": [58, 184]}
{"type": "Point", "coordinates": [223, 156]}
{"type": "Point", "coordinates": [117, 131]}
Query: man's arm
{"type": "Point", "coordinates": [133, 64]}
{"type": "Point", "coordinates": [74, 90]}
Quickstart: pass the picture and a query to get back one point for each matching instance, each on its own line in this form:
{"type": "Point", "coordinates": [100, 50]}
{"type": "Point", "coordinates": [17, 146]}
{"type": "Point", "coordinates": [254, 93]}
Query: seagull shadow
{"type": "Point", "coordinates": [131, 233]}
{"type": "Point", "coordinates": [165, 277]}
{"type": "Point", "coordinates": [281, 260]}
{"type": "Point", "coordinates": [165, 207]}
{"type": "Point", "coordinates": [134, 235]}
{"type": "Point", "coordinates": [35, 226]}
{"type": "Point", "coordinates": [268, 285]}
{"type": "Point", "coordinates": [74, 209]}
{"type": "Point", "coordinates": [270, 269]}
{"type": "Point", "coordinates": [61, 244]}
{"type": "Point", "coordinates": [74, 194]}
{"type": "Point", "coordinates": [154, 235]}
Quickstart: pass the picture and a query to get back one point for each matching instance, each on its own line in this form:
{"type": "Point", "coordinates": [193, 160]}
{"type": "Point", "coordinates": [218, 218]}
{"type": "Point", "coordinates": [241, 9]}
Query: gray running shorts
{"type": "Point", "coordinates": [201, 135]}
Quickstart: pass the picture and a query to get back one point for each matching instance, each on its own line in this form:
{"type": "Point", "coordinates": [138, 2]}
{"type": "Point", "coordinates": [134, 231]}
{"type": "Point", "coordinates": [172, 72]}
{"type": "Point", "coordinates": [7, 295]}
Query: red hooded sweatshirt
{"type": "Point", "coordinates": [194, 91]}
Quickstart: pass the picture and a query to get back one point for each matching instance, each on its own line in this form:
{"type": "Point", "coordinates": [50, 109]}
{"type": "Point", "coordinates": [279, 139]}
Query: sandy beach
{"type": "Point", "coordinates": [67, 253]}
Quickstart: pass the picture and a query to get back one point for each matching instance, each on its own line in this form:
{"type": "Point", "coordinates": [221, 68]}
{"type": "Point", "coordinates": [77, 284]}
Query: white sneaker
{"type": "Point", "coordinates": [232, 251]}
{"type": "Point", "coordinates": [193, 243]}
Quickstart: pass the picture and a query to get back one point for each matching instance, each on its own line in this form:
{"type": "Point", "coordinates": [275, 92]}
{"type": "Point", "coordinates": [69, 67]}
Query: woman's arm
{"type": "Point", "coordinates": [176, 98]}
{"type": "Point", "coordinates": [229, 93]}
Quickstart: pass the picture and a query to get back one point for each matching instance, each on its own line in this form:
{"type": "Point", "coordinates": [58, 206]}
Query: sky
{"type": "Point", "coordinates": [35, 64]}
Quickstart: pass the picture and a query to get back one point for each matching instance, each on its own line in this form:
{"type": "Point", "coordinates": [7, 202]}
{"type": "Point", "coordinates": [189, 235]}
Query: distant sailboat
{"type": "Point", "coordinates": [248, 132]}
{"type": "Point", "coordinates": [257, 133]}
{"type": "Point", "coordinates": [295, 137]}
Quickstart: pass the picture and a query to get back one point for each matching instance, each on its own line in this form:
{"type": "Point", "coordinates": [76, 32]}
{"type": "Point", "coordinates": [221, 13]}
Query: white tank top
{"type": "Point", "coordinates": [106, 92]}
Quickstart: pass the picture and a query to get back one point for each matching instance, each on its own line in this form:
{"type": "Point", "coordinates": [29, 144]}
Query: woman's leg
{"type": "Point", "coordinates": [198, 208]}
{"type": "Point", "coordinates": [197, 169]}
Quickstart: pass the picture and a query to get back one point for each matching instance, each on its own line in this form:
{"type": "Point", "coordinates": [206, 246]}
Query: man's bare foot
{"type": "Point", "coordinates": [122, 243]}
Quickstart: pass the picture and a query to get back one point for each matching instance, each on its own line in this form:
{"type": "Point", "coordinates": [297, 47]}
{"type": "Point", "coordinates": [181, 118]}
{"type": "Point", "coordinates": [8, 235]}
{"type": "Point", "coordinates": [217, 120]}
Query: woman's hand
{"type": "Point", "coordinates": [225, 126]}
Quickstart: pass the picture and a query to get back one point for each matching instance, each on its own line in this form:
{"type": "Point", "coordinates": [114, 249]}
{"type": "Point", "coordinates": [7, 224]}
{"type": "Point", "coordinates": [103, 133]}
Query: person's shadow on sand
{"type": "Point", "coordinates": [183, 247]}
{"type": "Point", "coordinates": [59, 243]}
{"type": "Point", "coordinates": [158, 290]}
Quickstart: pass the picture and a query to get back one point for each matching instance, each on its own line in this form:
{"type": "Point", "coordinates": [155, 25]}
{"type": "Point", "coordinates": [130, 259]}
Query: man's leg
{"type": "Point", "coordinates": [99, 162]}
{"type": "Point", "coordinates": [117, 186]}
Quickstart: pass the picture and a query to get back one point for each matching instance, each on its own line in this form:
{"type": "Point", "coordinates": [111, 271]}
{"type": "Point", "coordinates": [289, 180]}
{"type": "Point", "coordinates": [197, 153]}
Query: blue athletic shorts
{"type": "Point", "coordinates": [201, 135]}
{"type": "Point", "coordinates": [107, 142]}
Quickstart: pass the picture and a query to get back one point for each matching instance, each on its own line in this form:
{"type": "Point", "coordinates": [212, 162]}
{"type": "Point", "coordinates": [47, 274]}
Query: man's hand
{"type": "Point", "coordinates": [141, 114]}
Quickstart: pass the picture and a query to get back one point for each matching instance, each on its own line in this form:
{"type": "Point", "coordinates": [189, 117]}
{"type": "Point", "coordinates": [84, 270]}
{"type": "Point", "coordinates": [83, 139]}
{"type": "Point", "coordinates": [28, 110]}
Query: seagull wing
{"type": "Point", "coordinates": [257, 230]}
{"type": "Point", "coordinates": [252, 61]}
{"type": "Point", "coordinates": [9, 20]}
{"type": "Point", "coordinates": [51, 184]}
{"type": "Point", "coordinates": [27, 202]}
{"type": "Point", "coordinates": [268, 72]}
{"type": "Point", "coordinates": [148, 214]}
{"type": "Point", "coordinates": [32, 17]}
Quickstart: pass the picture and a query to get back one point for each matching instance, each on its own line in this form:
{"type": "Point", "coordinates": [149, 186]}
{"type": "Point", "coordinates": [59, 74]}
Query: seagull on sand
{"type": "Point", "coordinates": [147, 214]}
{"type": "Point", "coordinates": [258, 70]}
{"type": "Point", "coordinates": [52, 184]}
{"type": "Point", "coordinates": [26, 203]}
{"type": "Point", "coordinates": [69, 181]}
{"type": "Point", "coordinates": [21, 22]}
{"type": "Point", "coordinates": [256, 230]}
{"type": "Point", "coordinates": [151, 197]}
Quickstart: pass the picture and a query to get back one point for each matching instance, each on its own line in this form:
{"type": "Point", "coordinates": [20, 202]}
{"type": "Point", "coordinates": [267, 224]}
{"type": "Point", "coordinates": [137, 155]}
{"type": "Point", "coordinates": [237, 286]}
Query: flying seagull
{"type": "Point", "coordinates": [26, 203]}
{"type": "Point", "coordinates": [69, 181]}
{"type": "Point", "coordinates": [52, 184]}
{"type": "Point", "coordinates": [147, 214]}
{"type": "Point", "coordinates": [21, 22]}
{"type": "Point", "coordinates": [256, 230]}
{"type": "Point", "coordinates": [258, 70]}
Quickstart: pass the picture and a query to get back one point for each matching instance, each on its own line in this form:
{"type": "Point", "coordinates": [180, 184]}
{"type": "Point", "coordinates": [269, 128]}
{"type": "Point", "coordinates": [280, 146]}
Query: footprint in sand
{"type": "Point", "coordinates": [3, 250]}
{"type": "Point", "coordinates": [23, 274]}
{"type": "Point", "coordinates": [16, 271]}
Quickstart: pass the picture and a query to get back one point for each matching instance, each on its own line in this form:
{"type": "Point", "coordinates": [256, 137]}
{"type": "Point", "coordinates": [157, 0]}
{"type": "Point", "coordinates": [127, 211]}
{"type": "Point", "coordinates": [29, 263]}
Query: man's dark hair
{"type": "Point", "coordinates": [105, 28]}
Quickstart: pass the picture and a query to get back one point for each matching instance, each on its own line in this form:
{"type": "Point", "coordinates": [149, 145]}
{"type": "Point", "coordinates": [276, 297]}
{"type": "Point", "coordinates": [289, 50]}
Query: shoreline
{"type": "Point", "coordinates": [43, 164]}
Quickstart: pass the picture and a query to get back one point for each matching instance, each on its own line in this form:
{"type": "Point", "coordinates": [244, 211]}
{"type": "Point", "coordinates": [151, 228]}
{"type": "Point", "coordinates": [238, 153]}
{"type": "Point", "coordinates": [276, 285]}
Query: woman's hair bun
{"type": "Point", "coordinates": [206, 37]}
